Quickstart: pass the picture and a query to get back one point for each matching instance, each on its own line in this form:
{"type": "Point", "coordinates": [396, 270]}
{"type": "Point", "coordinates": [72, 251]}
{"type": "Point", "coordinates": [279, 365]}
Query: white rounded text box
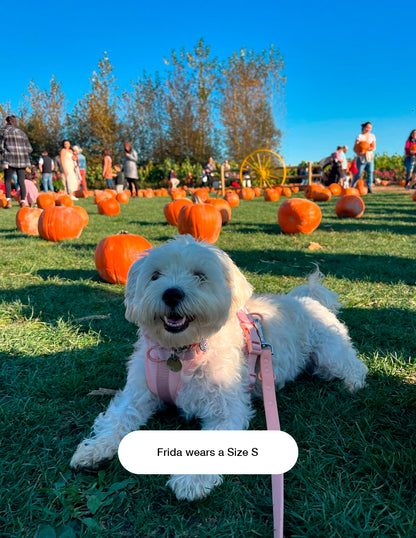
{"type": "Point", "coordinates": [208, 452]}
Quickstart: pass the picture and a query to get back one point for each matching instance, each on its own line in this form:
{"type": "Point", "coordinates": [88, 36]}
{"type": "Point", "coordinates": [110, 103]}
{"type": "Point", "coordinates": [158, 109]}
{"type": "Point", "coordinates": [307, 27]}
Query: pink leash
{"type": "Point", "coordinates": [272, 420]}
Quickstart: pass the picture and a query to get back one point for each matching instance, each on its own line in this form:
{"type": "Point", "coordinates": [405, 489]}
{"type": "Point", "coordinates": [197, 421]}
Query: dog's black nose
{"type": "Point", "coordinates": [173, 296]}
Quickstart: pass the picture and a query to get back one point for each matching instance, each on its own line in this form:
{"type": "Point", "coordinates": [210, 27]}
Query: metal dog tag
{"type": "Point", "coordinates": [174, 363]}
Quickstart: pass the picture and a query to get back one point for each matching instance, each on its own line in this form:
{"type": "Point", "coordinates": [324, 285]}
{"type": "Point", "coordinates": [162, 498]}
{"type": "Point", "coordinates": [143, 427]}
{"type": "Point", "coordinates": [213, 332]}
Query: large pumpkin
{"type": "Point", "coordinates": [299, 216]}
{"type": "Point", "coordinates": [122, 197]}
{"type": "Point", "coordinates": [60, 222]}
{"type": "Point", "coordinates": [171, 210]}
{"type": "Point", "coordinates": [321, 195]}
{"type": "Point", "coordinates": [109, 207]}
{"type": "Point", "coordinates": [27, 220]}
{"type": "Point", "coordinates": [115, 254]}
{"type": "Point", "coordinates": [350, 206]}
{"type": "Point", "coordinates": [202, 221]}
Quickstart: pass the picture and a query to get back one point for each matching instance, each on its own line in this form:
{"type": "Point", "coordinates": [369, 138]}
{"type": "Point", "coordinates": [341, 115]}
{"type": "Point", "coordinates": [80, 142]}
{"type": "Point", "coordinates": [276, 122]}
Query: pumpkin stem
{"type": "Point", "coordinates": [196, 199]}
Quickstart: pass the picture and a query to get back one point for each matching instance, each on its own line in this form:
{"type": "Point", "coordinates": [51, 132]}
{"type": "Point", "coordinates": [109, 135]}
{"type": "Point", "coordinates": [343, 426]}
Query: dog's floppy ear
{"type": "Point", "coordinates": [241, 289]}
{"type": "Point", "coordinates": [130, 299]}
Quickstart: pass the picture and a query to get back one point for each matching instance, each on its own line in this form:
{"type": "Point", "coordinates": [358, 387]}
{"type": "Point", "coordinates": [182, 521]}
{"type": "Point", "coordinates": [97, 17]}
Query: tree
{"type": "Point", "coordinates": [143, 118]}
{"type": "Point", "coordinates": [94, 122]}
{"type": "Point", "coordinates": [43, 117]}
{"type": "Point", "coordinates": [189, 104]}
{"type": "Point", "coordinates": [250, 85]}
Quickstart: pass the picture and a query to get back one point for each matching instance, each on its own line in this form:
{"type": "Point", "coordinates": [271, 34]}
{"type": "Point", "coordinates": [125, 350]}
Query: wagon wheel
{"type": "Point", "coordinates": [264, 168]}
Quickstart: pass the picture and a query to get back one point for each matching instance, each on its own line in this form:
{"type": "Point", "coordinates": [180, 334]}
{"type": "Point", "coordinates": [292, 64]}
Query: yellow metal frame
{"type": "Point", "coordinates": [266, 168]}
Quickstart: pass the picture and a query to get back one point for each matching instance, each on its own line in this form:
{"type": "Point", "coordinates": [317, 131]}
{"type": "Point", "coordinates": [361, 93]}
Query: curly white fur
{"type": "Point", "coordinates": [210, 290]}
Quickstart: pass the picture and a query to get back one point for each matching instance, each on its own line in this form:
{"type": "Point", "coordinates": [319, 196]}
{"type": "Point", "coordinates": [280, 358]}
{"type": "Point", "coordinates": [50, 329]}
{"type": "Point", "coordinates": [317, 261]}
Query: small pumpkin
{"type": "Point", "coordinates": [287, 191]}
{"type": "Point", "coordinates": [64, 199]}
{"type": "Point", "coordinates": [246, 193]}
{"type": "Point", "coordinates": [350, 191]}
{"type": "Point", "coordinates": [122, 197]}
{"type": "Point", "coordinates": [171, 210]}
{"type": "Point", "coordinates": [115, 254]}
{"type": "Point", "coordinates": [202, 221]}
{"type": "Point", "coordinates": [232, 198]}
{"type": "Point", "coordinates": [363, 146]}
{"type": "Point", "coordinates": [362, 187]}
{"type": "Point", "coordinates": [335, 189]}
{"type": "Point", "coordinates": [45, 199]}
{"type": "Point", "coordinates": [313, 188]}
{"type": "Point", "coordinates": [350, 206]}
{"type": "Point", "coordinates": [271, 195]}
{"type": "Point", "coordinates": [108, 206]}
{"type": "Point", "coordinates": [27, 220]}
{"type": "Point", "coordinates": [60, 222]}
{"type": "Point", "coordinates": [321, 195]}
{"type": "Point", "coordinates": [299, 216]}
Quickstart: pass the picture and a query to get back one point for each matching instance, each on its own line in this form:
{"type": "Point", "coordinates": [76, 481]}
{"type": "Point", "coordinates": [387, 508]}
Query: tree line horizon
{"type": "Point", "coordinates": [198, 107]}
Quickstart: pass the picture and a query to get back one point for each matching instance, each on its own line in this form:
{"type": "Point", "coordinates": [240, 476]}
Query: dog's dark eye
{"type": "Point", "coordinates": [202, 276]}
{"type": "Point", "coordinates": [155, 275]}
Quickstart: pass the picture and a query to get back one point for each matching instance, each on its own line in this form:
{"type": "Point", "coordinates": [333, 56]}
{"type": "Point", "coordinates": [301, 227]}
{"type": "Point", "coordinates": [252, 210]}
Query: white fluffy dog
{"type": "Point", "coordinates": [185, 295]}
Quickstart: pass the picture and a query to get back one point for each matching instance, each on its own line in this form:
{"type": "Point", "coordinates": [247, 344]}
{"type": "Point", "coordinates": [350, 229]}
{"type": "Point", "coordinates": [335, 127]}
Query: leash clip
{"type": "Point", "coordinates": [263, 342]}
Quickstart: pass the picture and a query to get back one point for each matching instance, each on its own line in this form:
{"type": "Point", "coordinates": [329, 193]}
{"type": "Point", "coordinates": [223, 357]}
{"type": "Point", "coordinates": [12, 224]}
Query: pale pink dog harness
{"type": "Point", "coordinates": [167, 370]}
{"type": "Point", "coordinates": [161, 362]}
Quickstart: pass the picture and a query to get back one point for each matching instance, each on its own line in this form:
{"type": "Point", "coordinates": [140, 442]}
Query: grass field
{"type": "Point", "coordinates": [63, 335]}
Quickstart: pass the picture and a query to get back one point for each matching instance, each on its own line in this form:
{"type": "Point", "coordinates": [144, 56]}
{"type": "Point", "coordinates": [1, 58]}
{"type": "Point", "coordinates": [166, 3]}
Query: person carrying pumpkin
{"type": "Point", "coordinates": [410, 160]}
{"type": "Point", "coordinates": [364, 147]}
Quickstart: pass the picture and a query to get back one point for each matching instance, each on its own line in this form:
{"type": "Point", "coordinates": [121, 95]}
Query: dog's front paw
{"type": "Point", "coordinates": [92, 454]}
{"type": "Point", "coordinates": [191, 487]}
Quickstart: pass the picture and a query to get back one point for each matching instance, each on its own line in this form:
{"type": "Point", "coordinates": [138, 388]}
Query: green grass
{"type": "Point", "coordinates": [63, 335]}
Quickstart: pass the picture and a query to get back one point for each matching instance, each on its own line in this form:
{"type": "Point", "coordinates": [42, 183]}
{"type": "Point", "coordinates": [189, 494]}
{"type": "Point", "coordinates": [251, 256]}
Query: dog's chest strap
{"type": "Point", "coordinates": [167, 369]}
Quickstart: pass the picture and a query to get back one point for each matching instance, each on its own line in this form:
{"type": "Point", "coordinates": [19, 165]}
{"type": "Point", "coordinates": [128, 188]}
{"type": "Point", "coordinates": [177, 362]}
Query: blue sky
{"type": "Point", "coordinates": [345, 63]}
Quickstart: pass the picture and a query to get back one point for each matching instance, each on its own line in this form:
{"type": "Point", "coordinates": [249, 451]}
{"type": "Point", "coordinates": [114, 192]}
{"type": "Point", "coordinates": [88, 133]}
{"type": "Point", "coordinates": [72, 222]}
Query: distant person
{"type": "Point", "coordinates": [130, 168]}
{"type": "Point", "coordinates": [32, 191]}
{"type": "Point", "coordinates": [344, 164]}
{"type": "Point", "coordinates": [108, 169]}
{"type": "Point", "coordinates": [364, 147]}
{"type": "Point", "coordinates": [410, 158]}
{"type": "Point", "coordinates": [173, 179]}
{"type": "Point", "coordinates": [15, 149]}
{"type": "Point", "coordinates": [190, 182]}
{"type": "Point", "coordinates": [211, 168]}
{"type": "Point", "coordinates": [68, 165]}
{"type": "Point", "coordinates": [118, 175]}
{"type": "Point", "coordinates": [46, 167]}
{"type": "Point", "coordinates": [82, 167]}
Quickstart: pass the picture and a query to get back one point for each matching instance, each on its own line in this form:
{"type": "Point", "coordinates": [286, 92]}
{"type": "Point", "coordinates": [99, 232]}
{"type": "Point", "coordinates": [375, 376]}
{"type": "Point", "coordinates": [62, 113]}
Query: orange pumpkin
{"type": "Point", "coordinates": [246, 193]}
{"type": "Point", "coordinates": [122, 197]}
{"type": "Point", "coordinates": [45, 199]}
{"type": "Point", "coordinates": [350, 206]}
{"type": "Point", "coordinates": [321, 195]}
{"type": "Point", "coordinates": [299, 216]}
{"type": "Point", "coordinates": [271, 195]}
{"type": "Point", "coordinates": [177, 193]}
{"type": "Point", "coordinates": [335, 189]}
{"type": "Point", "coordinates": [287, 191]}
{"type": "Point", "coordinates": [109, 207]}
{"type": "Point", "coordinates": [202, 221]}
{"type": "Point", "coordinates": [110, 192]}
{"type": "Point", "coordinates": [295, 190]}
{"type": "Point", "coordinates": [202, 194]}
{"type": "Point", "coordinates": [115, 254]}
{"type": "Point", "coordinates": [350, 191]}
{"type": "Point", "coordinates": [223, 207]}
{"type": "Point", "coordinates": [171, 210]}
{"type": "Point", "coordinates": [363, 146]}
{"type": "Point", "coordinates": [83, 213]}
{"type": "Point", "coordinates": [313, 188]}
{"type": "Point", "coordinates": [362, 187]}
{"type": "Point", "coordinates": [60, 222]}
{"type": "Point", "coordinates": [257, 192]}
{"type": "Point", "coordinates": [232, 198]}
{"type": "Point", "coordinates": [148, 193]}
{"type": "Point", "coordinates": [27, 220]}
{"type": "Point", "coordinates": [64, 199]}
